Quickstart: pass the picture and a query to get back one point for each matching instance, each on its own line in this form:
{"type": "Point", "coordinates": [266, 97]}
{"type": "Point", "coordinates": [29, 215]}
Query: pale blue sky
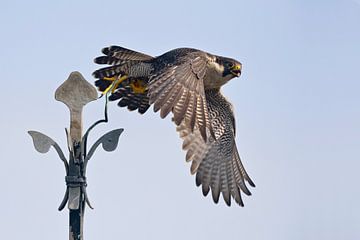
{"type": "Point", "coordinates": [297, 115]}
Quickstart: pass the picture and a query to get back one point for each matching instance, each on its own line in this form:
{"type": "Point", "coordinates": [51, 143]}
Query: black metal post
{"type": "Point", "coordinates": [75, 181]}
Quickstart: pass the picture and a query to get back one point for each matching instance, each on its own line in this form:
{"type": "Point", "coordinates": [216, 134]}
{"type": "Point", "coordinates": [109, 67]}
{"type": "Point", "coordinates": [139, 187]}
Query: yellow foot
{"type": "Point", "coordinates": [116, 81]}
{"type": "Point", "coordinates": [138, 86]}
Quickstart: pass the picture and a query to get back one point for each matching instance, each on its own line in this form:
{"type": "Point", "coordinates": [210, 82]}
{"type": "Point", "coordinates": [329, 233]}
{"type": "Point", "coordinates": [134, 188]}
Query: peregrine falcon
{"type": "Point", "coordinates": [186, 82]}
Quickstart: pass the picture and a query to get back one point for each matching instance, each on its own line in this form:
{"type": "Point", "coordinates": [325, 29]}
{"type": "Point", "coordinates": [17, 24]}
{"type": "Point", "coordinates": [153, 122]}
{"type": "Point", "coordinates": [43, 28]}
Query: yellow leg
{"type": "Point", "coordinates": [118, 82]}
{"type": "Point", "coordinates": [114, 84]}
{"type": "Point", "coordinates": [109, 78]}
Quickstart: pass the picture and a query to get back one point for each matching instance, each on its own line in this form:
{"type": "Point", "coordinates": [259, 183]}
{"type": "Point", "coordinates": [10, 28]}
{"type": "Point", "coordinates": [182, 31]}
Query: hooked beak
{"type": "Point", "coordinates": [236, 70]}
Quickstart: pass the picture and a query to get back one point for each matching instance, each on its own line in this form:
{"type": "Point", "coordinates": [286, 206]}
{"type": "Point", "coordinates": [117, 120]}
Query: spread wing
{"type": "Point", "coordinates": [180, 88]}
{"type": "Point", "coordinates": [216, 162]}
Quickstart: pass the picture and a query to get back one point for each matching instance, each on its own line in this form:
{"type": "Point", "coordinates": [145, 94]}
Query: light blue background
{"type": "Point", "coordinates": [297, 116]}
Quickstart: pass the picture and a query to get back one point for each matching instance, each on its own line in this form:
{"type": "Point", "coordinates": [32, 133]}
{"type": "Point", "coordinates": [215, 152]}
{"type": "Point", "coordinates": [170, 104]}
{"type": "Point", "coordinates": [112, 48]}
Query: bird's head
{"type": "Point", "coordinates": [231, 67]}
{"type": "Point", "coordinates": [221, 70]}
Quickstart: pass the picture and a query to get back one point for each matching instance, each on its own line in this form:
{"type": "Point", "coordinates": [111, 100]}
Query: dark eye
{"type": "Point", "coordinates": [230, 65]}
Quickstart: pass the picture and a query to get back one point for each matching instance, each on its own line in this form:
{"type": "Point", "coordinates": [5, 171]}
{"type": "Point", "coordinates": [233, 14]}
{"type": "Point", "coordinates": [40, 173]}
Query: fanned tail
{"type": "Point", "coordinates": [130, 90]}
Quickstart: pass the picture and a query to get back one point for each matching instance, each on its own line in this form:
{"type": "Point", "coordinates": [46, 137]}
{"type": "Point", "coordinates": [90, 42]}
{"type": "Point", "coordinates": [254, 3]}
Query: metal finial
{"type": "Point", "coordinates": [76, 92]}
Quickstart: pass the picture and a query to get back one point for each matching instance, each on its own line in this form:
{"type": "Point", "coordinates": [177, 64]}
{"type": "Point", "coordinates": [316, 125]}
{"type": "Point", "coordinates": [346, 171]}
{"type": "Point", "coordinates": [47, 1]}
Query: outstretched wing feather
{"type": "Point", "coordinates": [180, 89]}
{"type": "Point", "coordinates": [216, 162]}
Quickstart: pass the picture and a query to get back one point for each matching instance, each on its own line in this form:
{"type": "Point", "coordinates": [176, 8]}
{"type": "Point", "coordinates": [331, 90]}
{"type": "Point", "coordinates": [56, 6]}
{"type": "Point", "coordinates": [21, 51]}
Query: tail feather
{"type": "Point", "coordinates": [130, 99]}
{"type": "Point", "coordinates": [109, 60]}
{"type": "Point", "coordinates": [122, 53]}
{"type": "Point", "coordinates": [102, 84]}
{"type": "Point", "coordinates": [116, 70]}
{"type": "Point", "coordinates": [131, 93]}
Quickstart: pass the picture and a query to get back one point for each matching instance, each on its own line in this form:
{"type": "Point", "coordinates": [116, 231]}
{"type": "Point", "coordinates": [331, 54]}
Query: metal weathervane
{"type": "Point", "coordinates": [75, 93]}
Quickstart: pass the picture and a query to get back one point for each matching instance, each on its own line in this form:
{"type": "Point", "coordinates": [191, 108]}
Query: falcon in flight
{"type": "Point", "coordinates": [187, 83]}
